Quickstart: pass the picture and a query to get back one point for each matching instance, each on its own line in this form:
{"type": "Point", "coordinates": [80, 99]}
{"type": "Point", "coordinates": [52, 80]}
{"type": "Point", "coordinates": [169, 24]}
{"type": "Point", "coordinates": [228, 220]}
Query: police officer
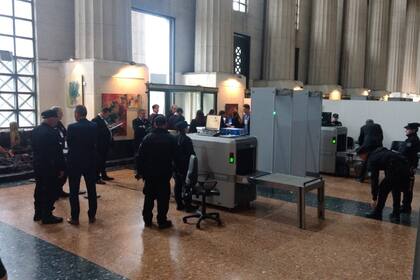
{"type": "Point", "coordinates": [409, 149]}
{"type": "Point", "coordinates": [62, 133]}
{"type": "Point", "coordinates": [335, 121]}
{"type": "Point", "coordinates": [49, 167]}
{"type": "Point", "coordinates": [141, 126]}
{"type": "Point", "coordinates": [182, 158]}
{"type": "Point", "coordinates": [154, 164]}
{"type": "Point", "coordinates": [82, 141]}
{"type": "Point", "coordinates": [396, 179]}
{"type": "Point", "coordinates": [3, 272]}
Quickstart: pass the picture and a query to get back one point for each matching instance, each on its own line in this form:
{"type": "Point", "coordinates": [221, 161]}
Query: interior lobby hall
{"type": "Point", "coordinates": [209, 139]}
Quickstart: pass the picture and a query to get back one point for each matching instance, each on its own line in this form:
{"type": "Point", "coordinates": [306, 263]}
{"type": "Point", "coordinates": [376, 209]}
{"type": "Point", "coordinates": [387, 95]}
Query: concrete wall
{"type": "Point", "coordinates": [55, 29]}
{"type": "Point", "coordinates": [55, 41]}
{"type": "Point", "coordinates": [392, 116]}
{"type": "Point", "coordinates": [252, 24]}
{"type": "Point", "coordinates": [231, 88]}
{"type": "Point", "coordinates": [183, 13]}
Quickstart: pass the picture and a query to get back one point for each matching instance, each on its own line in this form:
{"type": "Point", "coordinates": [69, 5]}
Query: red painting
{"type": "Point", "coordinates": [118, 105]}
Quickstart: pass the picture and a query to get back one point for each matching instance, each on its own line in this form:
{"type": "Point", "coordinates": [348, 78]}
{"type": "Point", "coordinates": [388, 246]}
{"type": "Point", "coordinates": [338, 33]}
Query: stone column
{"type": "Point", "coordinates": [139, 33]}
{"type": "Point", "coordinates": [411, 46]}
{"type": "Point", "coordinates": [103, 29]}
{"type": "Point", "coordinates": [213, 36]}
{"type": "Point", "coordinates": [339, 37]}
{"type": "Point", "coordinates": [303, 39]}
{"type": "Point", "coordinates": [377, 45]}
{"type": "Point", "coordinates": [323, 47]}
{"type": "Point", "coordinates": [280, 40]}
{"type": "Point", "coordinates": [396, 45]}
{"type": "Point", "coordinates": [418, 68]}
{"type": "Point", "coordinates": [354, 44]}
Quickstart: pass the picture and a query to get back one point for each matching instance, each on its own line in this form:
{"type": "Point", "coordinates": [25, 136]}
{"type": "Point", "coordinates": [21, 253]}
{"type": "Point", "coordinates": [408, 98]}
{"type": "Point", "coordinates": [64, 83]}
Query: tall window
{"type": "Point", "coordinates": [17, 64]}
{"type": "Point", "coordinates": [297, 21]}
{"type": "Point", "coordinates": [241, 55]}
{"type": "Point", "coordinates": [152, 45]}
{"type": "Point", "coordinates": [240, 6]}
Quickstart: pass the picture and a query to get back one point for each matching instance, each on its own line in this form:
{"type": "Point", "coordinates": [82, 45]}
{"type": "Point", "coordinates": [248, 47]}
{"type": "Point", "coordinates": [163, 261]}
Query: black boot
{"type": "Point", "coordinates": [52, 220]}
{"type": "Point", "coordinates": [405, 210]}
{"type": "Point", "coordinates": [374, 215]}
{"type": "Point", "coordinates": [394, 217]}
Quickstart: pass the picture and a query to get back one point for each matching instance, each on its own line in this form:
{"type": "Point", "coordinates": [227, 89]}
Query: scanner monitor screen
{"type": "Point", "coordinates": [213, 122]}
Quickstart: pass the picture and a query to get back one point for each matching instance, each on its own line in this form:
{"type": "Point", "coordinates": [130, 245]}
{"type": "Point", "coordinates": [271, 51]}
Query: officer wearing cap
{"type": "Point", "coordinates": [396, 179]}
{"type": "Point", "coordinates": [184, 150]}
{"type": "Point", "coordinates": [409, 149]}
{"type": "Point", "coordinates": [335, 121]}
{"type": "Point", "coordinates": [154, 163]}
{"type": "Point", "coordinates": [49, 166]}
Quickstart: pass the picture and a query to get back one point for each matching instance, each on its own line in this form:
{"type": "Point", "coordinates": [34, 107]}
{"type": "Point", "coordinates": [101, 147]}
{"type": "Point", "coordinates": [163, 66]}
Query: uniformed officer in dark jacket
{"type": "Point", "coordinates": [49, 166]}
{"type": "Point", "coordinates": [81, 139]}
{"type": "Point", "coordinates": [3, 272]}
{"type": "Point", "coordinates": [335, 120]}
{"type": "Point", "coordinates": [409, 149]}
{"type": "Point", "coordinates": [397, 178]}
{"type": "Point", "coordinates": [62, 133]}
{"type": "Point", "coordinates": [183, 153]}
{"type": "Point", "coordinates": [155, 165]}
{"type": "Point", "coordinates": [104, 142]}
{"type": "Point", "coordinates": [141, 126]}
{"type": "Point", "coordinates": [371, 137]}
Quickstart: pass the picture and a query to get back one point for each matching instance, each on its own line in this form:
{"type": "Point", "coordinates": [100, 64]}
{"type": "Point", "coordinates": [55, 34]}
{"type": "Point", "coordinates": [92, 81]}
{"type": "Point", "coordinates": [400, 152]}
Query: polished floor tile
{"type": "Point", "coordinates": [258, 243]}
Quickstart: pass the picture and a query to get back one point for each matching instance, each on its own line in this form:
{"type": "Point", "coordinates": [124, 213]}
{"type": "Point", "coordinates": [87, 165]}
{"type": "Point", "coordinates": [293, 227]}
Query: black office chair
{"type": "Point", "coordinates": [201, 186]}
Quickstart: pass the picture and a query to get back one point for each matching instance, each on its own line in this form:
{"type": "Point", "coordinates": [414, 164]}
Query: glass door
{"type": "Point", "coordinates": [157, 97]}
{"type": "Point", "coordinates": [209, 102]}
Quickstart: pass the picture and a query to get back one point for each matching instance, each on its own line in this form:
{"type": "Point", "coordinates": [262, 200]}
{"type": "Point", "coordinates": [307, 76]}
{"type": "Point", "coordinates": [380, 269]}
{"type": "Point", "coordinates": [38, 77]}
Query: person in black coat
{"type": "Point", "coordinates": [103, 144]}
{"type": "Point", "coordinates": [49, 166]}
{"type": "Point", "coordinates": [182, 158]}
{"type": "Point", "coordinates": [199, 121]}
{"type": "Point", "coordinates": [62, 132]}
{"type": "Point", "coordinates": [410, 150]}
{"type": "Point", "coordinates": [371, 137]}
{"type": "Point", "coordinates": [397, 179]}
{"type": "Point", "coordinates": [154, 114]}
{"type": "Point", "coordinates": [236, 120]}
{"type": "Point", "coordinates": [247, 118]}
{"type": "Point", "coordinates": [141, 126]}
{"type": "Point", "coordinates": [154, 163]}
{"type": "Point", "coordinates": [3, 272]}
{"type": "Point", "coordinates": [335, 120]}
{"type": "Point", "coordinates": [81, 139]}
{"type": "Point", "coordinates": [176, 118]}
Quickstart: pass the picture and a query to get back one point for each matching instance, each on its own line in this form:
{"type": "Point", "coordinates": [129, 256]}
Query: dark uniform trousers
{"type": "Point", "coordinates": [101, 162]}
{"type": "Point", "coordinates": [89, 174]}
{"type": "Point", "coordinates": [158, 189]}
{"type": "Point", "coordinates": [408, 195]}
{"type": "Point", "coordinates": [46, 193]}
{"type": "Point", "coordinates": [178, 190]}
{"type": "Point", "coordinates": [396, 181]}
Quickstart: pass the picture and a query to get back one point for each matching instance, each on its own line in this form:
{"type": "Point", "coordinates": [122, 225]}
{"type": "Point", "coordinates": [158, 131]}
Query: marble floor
{"type": "Point", "coordinates": [258, 243]}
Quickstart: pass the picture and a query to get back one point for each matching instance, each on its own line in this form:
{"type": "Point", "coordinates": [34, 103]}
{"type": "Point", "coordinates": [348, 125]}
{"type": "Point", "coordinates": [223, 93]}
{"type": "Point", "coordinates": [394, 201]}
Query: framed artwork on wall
{"type": "Point", "coordinates": [75, 92]}
{"type": "Point", "coordinates": [120, 105]}
{"type": "Point", "coordinates": [230, 108]}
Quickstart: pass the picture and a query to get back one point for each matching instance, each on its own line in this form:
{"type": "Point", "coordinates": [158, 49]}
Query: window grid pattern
{"type": "Point", "coordinates": [240, 6]}
{"type": "Point", "coordinates": [17, 71]}
{"type": "Point", "coordinates": [238, 60]}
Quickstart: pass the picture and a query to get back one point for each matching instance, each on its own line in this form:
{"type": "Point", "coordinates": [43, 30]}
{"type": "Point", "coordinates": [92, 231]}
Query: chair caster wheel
{"type": "Point", "coordinates": [184, 220]}
{"type": "Point", "coordinates": [198, 226]}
